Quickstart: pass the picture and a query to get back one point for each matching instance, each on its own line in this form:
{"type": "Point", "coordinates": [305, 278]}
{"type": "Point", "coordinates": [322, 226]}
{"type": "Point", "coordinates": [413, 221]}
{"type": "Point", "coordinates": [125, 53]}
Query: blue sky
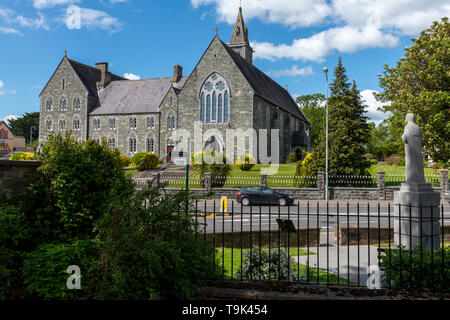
{"type": "Point", "coordinates": [293, 39]}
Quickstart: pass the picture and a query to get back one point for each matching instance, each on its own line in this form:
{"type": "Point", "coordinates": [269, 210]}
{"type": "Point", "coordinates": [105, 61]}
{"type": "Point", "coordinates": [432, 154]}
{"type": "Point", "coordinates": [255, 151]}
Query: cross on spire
{"type": "Point", "coordinates": [216, 30]}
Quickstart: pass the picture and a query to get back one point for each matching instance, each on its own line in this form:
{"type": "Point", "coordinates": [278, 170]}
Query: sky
{"type": "Point", "coordinates": [293, 40]}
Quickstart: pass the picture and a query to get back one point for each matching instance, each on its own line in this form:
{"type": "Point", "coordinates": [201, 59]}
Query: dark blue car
{"type": "Point", "coordinates": [263, 196]}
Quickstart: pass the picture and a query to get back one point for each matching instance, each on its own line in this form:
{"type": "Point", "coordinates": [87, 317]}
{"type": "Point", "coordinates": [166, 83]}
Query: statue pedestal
{"type": "Point", "coordinates": [416, 216]}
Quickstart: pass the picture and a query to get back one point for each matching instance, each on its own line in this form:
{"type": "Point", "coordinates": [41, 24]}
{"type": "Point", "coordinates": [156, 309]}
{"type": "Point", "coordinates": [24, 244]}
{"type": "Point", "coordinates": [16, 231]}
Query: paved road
{"type": "Point", "coordinates": [265, 217]}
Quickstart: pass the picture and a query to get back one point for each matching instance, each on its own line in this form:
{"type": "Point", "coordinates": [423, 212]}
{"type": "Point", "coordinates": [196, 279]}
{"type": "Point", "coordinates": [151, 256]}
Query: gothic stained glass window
{"type": "Point", "coordinates": [202, 108]}
{"type": "Point", "coordinates": [214, 107]}
{"type": "Point", "coordinates": [62, 105]}
{"type": "Point", "coordinates": [76, 104]}
{"type": "Point", "coordinates": [225, 107]}
{"type": "Point", "coordinates": [219, 109]}
{"type": "Point", "coordinates": [208, 109]}
{"type": "Point", "coordinates": [214, 100]}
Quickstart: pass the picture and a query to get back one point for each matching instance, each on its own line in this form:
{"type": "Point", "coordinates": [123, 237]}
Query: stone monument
{"type": "Point", "coordinates": [416, 213]}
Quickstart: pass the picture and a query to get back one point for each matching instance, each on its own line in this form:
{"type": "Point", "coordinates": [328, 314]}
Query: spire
{"type": "Point", "coordinates": [239, 39]}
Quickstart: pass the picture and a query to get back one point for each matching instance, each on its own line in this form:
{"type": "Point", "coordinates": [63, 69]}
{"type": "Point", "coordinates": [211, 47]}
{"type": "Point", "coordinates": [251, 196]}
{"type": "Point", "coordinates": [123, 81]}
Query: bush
{"type": "Point", "coordinates": [44, 270]}
{"type": "Point", "coordinates": [245, 162]}
{"type": "Point", "coordinates": [125, 160]}
{"type": "Point", "coordinates": [394, 159]}
{"type": "Point", "coordinates": [428, 269]}
{"type": "Point", "coordinates": [145, 160]}
{"type": "Point", "coordinates": [401, 163]}
{"type": "Point", "coordinates": [219, 171]}
{"type": "Point", "coordinates": [79, 183]}
{"type": "Point", "coordinates": [151, 252]}
{"type": "Point", "coordinates": [374, 161]}
{"type": "Point", "coordinates": [303, 170]}
{"type": "Point", "coordinates": [274, 265]}
{"type": "Point", "coordinates": [22, 156]}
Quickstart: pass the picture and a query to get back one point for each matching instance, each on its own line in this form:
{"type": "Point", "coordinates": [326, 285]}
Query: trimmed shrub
{"type": "Point", "coordinates": [303, 170]}
{"type": "Point", "coordinates": [374, 161]}
{"type": "Point", "coordinates": [145, 160]}
{"type": "Point", "coordinates": [245, 162]}
{"type": "Point", "coordinates": [274, 265]}
{"type": "Point", "coordinates": [125, 160]}
{"type": "Point", "coordinates": [393, 160]}
{"type": "Point", "coordinates": [44, 270]}
{"type": "Point", "coordinates": [430, 269]}
{"type": "Point", "coordinates": [219, 171]}
{"type": "Point", "coordinates": [22, 156]}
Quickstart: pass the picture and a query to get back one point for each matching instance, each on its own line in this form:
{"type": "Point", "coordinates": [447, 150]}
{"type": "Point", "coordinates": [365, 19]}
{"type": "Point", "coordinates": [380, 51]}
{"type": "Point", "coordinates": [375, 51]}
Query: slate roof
{"type": "Point", "coordinates": [134, 96]}
{"type": "Point", "coordinates": [90, 76]}
{"type": "Point", "coordinates": [265, 87]}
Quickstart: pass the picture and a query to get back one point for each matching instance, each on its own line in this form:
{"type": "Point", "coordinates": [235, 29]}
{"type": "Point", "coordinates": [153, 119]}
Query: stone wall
{"type": "Point", "coordinates": [381, 192]}
{"type": "Point", "coordinates": [15, 176]}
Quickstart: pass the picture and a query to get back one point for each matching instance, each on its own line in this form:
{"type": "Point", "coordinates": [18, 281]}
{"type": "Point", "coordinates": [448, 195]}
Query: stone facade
{"type": "Point", "coordinates": [94, 94]}
{"type": "Point", "coordinates": [64, 84]}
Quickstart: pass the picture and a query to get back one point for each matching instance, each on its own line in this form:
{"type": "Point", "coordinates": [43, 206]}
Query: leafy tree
{"type": "Point", "coordinates": [21, 126]}
{"type": "Point", "coordinates": [348, 130]}
{"type": "Point", "coordinates": [313, 107]}
{"type": "Point", "coordinates": [420, 84]}
{"type": "Point", "coordinates": [384, 140]}
{"type": "Point", "coordinates": [79, 183]}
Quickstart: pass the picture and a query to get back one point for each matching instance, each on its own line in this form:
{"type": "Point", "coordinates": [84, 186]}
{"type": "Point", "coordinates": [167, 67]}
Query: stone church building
{"type": "Point", "coordinates": [224, 91]}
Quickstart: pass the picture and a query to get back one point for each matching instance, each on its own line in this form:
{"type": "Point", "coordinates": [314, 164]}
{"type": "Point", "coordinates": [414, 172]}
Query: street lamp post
{"type": "Point", "coordinates": [325, 70]}
{"type": "Point", "coordinates": [31, 137]}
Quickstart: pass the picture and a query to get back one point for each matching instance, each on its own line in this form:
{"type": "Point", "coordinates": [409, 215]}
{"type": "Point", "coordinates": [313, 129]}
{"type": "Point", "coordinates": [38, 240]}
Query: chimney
{"type": "Point", "coordinates": [177, 73]}
{"type": "Point", "coordinates": [106, 76]}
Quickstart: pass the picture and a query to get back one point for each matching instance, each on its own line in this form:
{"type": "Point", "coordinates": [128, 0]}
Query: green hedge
{"type": "Point", "coordinates": [44, 270]}
{"type": "Point", "coordinates": [429, 269]}
{"type": "Point", "coordinates": [145, 160]}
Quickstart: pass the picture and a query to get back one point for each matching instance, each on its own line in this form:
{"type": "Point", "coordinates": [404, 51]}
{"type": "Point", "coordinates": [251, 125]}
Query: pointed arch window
{"type": "Point", "coordinates": [76, 104]}
{"type": "Point", "coordinates": [150, 145]}
{"type": "Point", "coordinates": [48, 105]}
{"type": "Point", "coordinates": [214, 100]}
{"type": "Point", "coordinates": [63, 104]}
{"type": "Point", "coordinates": [112, 143]}
{"type": "Point", "coordinates": [150, 123]}
{"type": "Point", "coordinates": [132, 145]}
{"type": "Point", "coordinates": [202, 108]}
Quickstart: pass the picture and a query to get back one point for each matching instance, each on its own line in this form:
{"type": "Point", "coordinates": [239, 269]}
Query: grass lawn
{"type": "Point", "coordinates": [395, 170]}
{"type": "Point", "coordinates": [225, 256]}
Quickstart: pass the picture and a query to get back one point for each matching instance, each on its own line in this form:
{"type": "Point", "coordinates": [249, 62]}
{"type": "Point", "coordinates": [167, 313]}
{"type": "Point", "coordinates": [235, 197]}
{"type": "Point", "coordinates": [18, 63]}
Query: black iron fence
{"type": "Point", "coordinates": [333, 244]}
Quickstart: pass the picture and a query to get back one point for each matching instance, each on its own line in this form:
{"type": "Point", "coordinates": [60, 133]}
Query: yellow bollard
{"type": "Point", "coordinates": [223, 205]}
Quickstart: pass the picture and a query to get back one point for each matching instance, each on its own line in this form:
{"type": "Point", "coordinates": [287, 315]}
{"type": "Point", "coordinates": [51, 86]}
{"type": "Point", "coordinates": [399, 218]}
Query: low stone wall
{"type": "Point", "coordinates": [264, 239]}
{"type": "Point", "coordinates": [349, 235]}
{"type": "Point", "coordinates": [15, 176]}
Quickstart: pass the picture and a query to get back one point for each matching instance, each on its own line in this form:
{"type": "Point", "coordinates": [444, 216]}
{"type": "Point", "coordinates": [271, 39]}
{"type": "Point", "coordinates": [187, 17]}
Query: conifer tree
{"type": "Point", "coordinates": [348, 130]}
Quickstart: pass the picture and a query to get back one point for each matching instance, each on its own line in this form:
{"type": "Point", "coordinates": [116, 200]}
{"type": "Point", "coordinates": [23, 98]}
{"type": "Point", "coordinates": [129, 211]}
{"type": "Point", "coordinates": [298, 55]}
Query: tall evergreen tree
{"type": "Point", "coordinates": [348, 130]}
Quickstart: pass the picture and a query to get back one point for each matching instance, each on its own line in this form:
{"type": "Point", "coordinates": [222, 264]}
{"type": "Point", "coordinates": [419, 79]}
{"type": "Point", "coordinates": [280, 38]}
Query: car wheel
{"type": "Point", "coordinates": [282, 202]}
{"type": "Point", "coordinates": [246, 202]}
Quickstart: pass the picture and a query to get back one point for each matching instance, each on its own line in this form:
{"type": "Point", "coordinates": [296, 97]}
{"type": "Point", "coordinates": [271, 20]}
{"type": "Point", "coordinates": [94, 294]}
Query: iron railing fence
{"type": "Point", "coordinates": [395, 180]}
{"type": "Point", "coordinates": [330, 245]}
{"type": "Point", "coordinates": [352, 181]}
{"type": "Point", "coordinates": [292, 181]}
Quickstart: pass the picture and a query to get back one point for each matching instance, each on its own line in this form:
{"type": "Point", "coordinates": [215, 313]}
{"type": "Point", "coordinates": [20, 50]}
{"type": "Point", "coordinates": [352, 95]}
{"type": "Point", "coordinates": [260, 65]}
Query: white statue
{"type": "Point", "coordinates": [413, 151]}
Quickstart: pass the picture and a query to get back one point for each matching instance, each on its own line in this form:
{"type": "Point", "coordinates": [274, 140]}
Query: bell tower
{"type": "Point", "coordinates": [239, 39]}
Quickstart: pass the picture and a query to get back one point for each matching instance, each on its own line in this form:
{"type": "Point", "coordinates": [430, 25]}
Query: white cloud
{"type": "Point", "coordinates": [373, 113]}
{"type": "Point", "coordinates": [347, 25]}
{"type": "Point", "coordinates": [131, 76]}
{"type": "Point", "coordinates": [10, 117]}
{"type": "Point", "coordinates": [10, 31]}
{"type": "Point", "coordinates": [2, 92]}
{"type": "Point", "coordinates": [117, 1]}
{"type": "Point", "coordinates": [292, 72]}
{"type": "Point", "coordinates": [44, 4]}
{"type": "Point", "coordinates": [91, 18]}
